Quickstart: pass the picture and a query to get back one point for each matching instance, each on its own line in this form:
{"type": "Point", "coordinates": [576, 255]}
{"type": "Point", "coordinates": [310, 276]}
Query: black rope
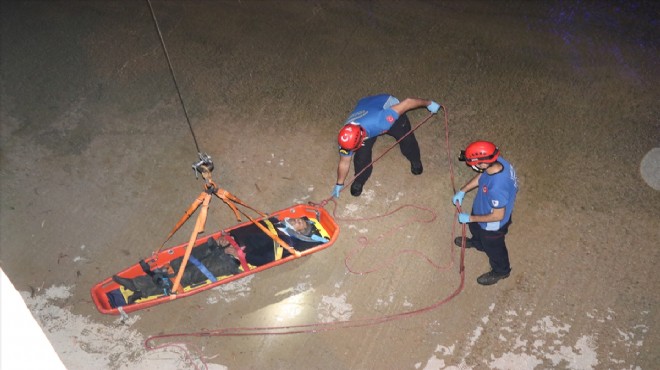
{"type": "Point", "coordinates": [176, 85]}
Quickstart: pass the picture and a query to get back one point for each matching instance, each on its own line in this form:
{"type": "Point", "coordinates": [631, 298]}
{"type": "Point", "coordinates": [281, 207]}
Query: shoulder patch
{"type": "Point", "coordinates": [390, 119]}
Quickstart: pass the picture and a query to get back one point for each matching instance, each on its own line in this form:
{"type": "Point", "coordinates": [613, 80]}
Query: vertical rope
{"type": "Point", "coordinates": [169, 64]}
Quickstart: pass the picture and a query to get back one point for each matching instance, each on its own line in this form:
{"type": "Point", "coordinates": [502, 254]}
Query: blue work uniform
{"type": "Point", "coordinates": [376, 116]}
{"type": "Point", "coordinates": [498, 190]}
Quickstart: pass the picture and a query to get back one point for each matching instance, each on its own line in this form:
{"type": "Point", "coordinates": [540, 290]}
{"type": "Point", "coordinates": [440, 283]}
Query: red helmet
{"type": "Point", "coordinates": [479, 152]}
{"type": "Point", "coordinates": [351, 136]}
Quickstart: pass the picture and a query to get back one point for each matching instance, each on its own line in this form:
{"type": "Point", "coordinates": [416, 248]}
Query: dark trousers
{"type": "Point", "coordinates": [409, 148]}
{"type": "Point", "coordinates": [492, 243]}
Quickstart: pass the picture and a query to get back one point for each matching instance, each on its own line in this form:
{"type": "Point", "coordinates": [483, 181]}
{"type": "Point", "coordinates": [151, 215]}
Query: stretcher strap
{"type": "Point", "coordinates": [239, 251]}
{"type": "Point", "coordinates": [230, 199]}
{"type": "Point", "coordinates": [275, 238]}
{"type": "Point", "coordinates": [199, 227]}
{"type": "Point", "coordinates": [200, 266]}
{"type": "Point", "coordinates": [324, 233]}
{"type": "Point", "coordinates": [278, 249]}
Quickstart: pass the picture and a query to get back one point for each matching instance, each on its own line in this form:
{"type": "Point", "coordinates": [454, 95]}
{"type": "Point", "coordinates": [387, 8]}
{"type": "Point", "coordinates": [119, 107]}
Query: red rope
{"type": "Point", "coordinates": [320, 327]}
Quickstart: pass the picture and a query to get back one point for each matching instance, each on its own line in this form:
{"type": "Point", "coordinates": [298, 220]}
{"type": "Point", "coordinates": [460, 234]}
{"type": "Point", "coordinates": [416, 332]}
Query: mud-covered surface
{"type": "Point", "coordinates": [97, 153]}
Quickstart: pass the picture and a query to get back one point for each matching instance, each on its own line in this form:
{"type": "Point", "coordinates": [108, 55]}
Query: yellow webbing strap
{"type": "Point", "coordinates": [320, 228]}
{"type": "Point", "coordinates": [278, 248]}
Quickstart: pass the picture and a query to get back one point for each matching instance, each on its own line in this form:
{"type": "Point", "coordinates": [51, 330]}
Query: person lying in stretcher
{"type": "Point", "coordinates": [259, 249]}
{"type": "Point", "coordinates": [212, 260]}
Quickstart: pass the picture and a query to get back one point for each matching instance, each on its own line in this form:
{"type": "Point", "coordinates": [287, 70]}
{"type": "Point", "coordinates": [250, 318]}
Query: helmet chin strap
{"type": "Point", "coordinates": [481, 170]}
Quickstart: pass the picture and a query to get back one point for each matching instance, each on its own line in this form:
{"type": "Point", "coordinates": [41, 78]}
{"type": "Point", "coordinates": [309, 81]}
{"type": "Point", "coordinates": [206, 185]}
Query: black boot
{"type": "Point", "coordinates": [356, 189]}
{"type": "Point", "coordinates": [126, 283]}
{"type": "Point", "coordinates": [491, 277]}
{"type": "Point", "coordinates": [416, 168]}
{"type": "Point", "coordinates": [468, 242]}
{"type": "Point", "coordinates": [134, 297]}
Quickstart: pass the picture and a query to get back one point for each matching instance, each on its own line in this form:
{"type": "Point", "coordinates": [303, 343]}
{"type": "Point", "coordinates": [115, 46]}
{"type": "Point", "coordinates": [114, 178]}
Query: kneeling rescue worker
{"type": "Point", "coordinates": [497, 186]}
{"type": "Point", "coordinates": [374, 116]}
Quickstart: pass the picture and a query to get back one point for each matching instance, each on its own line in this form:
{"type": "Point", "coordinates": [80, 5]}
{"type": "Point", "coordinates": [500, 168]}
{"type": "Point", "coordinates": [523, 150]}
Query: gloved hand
{"type": "Point", "coordinates": [458, 197]}
{"type": "Point", "coordinates": [463, 218]}
{"type": "Point", "coordinates": [336, 190]}
{"type": "Point", "coordinates": [433, 107]}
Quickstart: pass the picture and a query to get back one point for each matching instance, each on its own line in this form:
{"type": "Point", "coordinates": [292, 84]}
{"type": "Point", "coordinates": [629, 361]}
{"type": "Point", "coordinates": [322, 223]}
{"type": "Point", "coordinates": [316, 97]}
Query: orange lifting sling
{"type": "Point", "coordinates": [204, 199]}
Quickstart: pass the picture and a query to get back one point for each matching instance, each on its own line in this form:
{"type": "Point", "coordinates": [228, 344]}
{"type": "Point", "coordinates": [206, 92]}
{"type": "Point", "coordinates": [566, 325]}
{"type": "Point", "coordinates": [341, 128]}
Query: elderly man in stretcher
{"type": "Point", "coordinates": [231, 254]}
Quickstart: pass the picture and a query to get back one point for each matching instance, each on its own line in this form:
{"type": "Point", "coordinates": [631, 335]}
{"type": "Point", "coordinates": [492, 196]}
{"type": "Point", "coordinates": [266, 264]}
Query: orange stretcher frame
{"type": "Point", "coordinates": [163, 257]}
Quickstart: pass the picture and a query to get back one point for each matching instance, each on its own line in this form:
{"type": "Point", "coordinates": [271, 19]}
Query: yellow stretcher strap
{"type": "Point", "coordinates": [278, 248]}
{"type": "Point", "coordinates": [320, 228]}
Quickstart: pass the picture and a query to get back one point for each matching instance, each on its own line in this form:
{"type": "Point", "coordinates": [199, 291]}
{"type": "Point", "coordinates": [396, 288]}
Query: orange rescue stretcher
{"type": "Point", "coordinates": [105, 292]}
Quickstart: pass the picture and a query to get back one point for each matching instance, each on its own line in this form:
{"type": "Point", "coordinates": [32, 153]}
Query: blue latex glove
{"type": "Point", "coordinates": [463, 218]}
{"type": "Point", "coordinates": [433, 107]}
{"type": "Point", "coordinates": [336, 190]}
{"type": "Point", "coordinates": [458, 197]}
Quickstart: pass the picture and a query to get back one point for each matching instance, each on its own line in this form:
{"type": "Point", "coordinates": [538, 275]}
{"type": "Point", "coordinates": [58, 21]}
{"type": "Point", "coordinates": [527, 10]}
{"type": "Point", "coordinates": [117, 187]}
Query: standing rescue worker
{"type": "Point", "coordinates": [374, 116]}
{"type": "Point", "coordinates": [497, 186]}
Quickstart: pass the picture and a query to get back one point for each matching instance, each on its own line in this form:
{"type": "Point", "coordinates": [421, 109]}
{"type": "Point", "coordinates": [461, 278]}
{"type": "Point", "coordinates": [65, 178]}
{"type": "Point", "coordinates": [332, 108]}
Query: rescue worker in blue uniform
{"type": "Point", "coordinates": [497, 186]}
{"type": "Point", "coordinates": [374, 116]}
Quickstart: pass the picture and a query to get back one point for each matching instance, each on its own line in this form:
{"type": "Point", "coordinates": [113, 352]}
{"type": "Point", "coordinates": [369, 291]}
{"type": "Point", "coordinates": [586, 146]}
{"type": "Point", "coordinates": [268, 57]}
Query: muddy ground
{"type": "Point", "coordinates": [97, 153]}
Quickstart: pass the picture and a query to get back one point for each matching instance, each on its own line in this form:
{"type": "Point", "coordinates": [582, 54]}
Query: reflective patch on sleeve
{"type": "Point", "coordinates": [492, 226]}
{"type": "Point", "coordinates": [390, 102]}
